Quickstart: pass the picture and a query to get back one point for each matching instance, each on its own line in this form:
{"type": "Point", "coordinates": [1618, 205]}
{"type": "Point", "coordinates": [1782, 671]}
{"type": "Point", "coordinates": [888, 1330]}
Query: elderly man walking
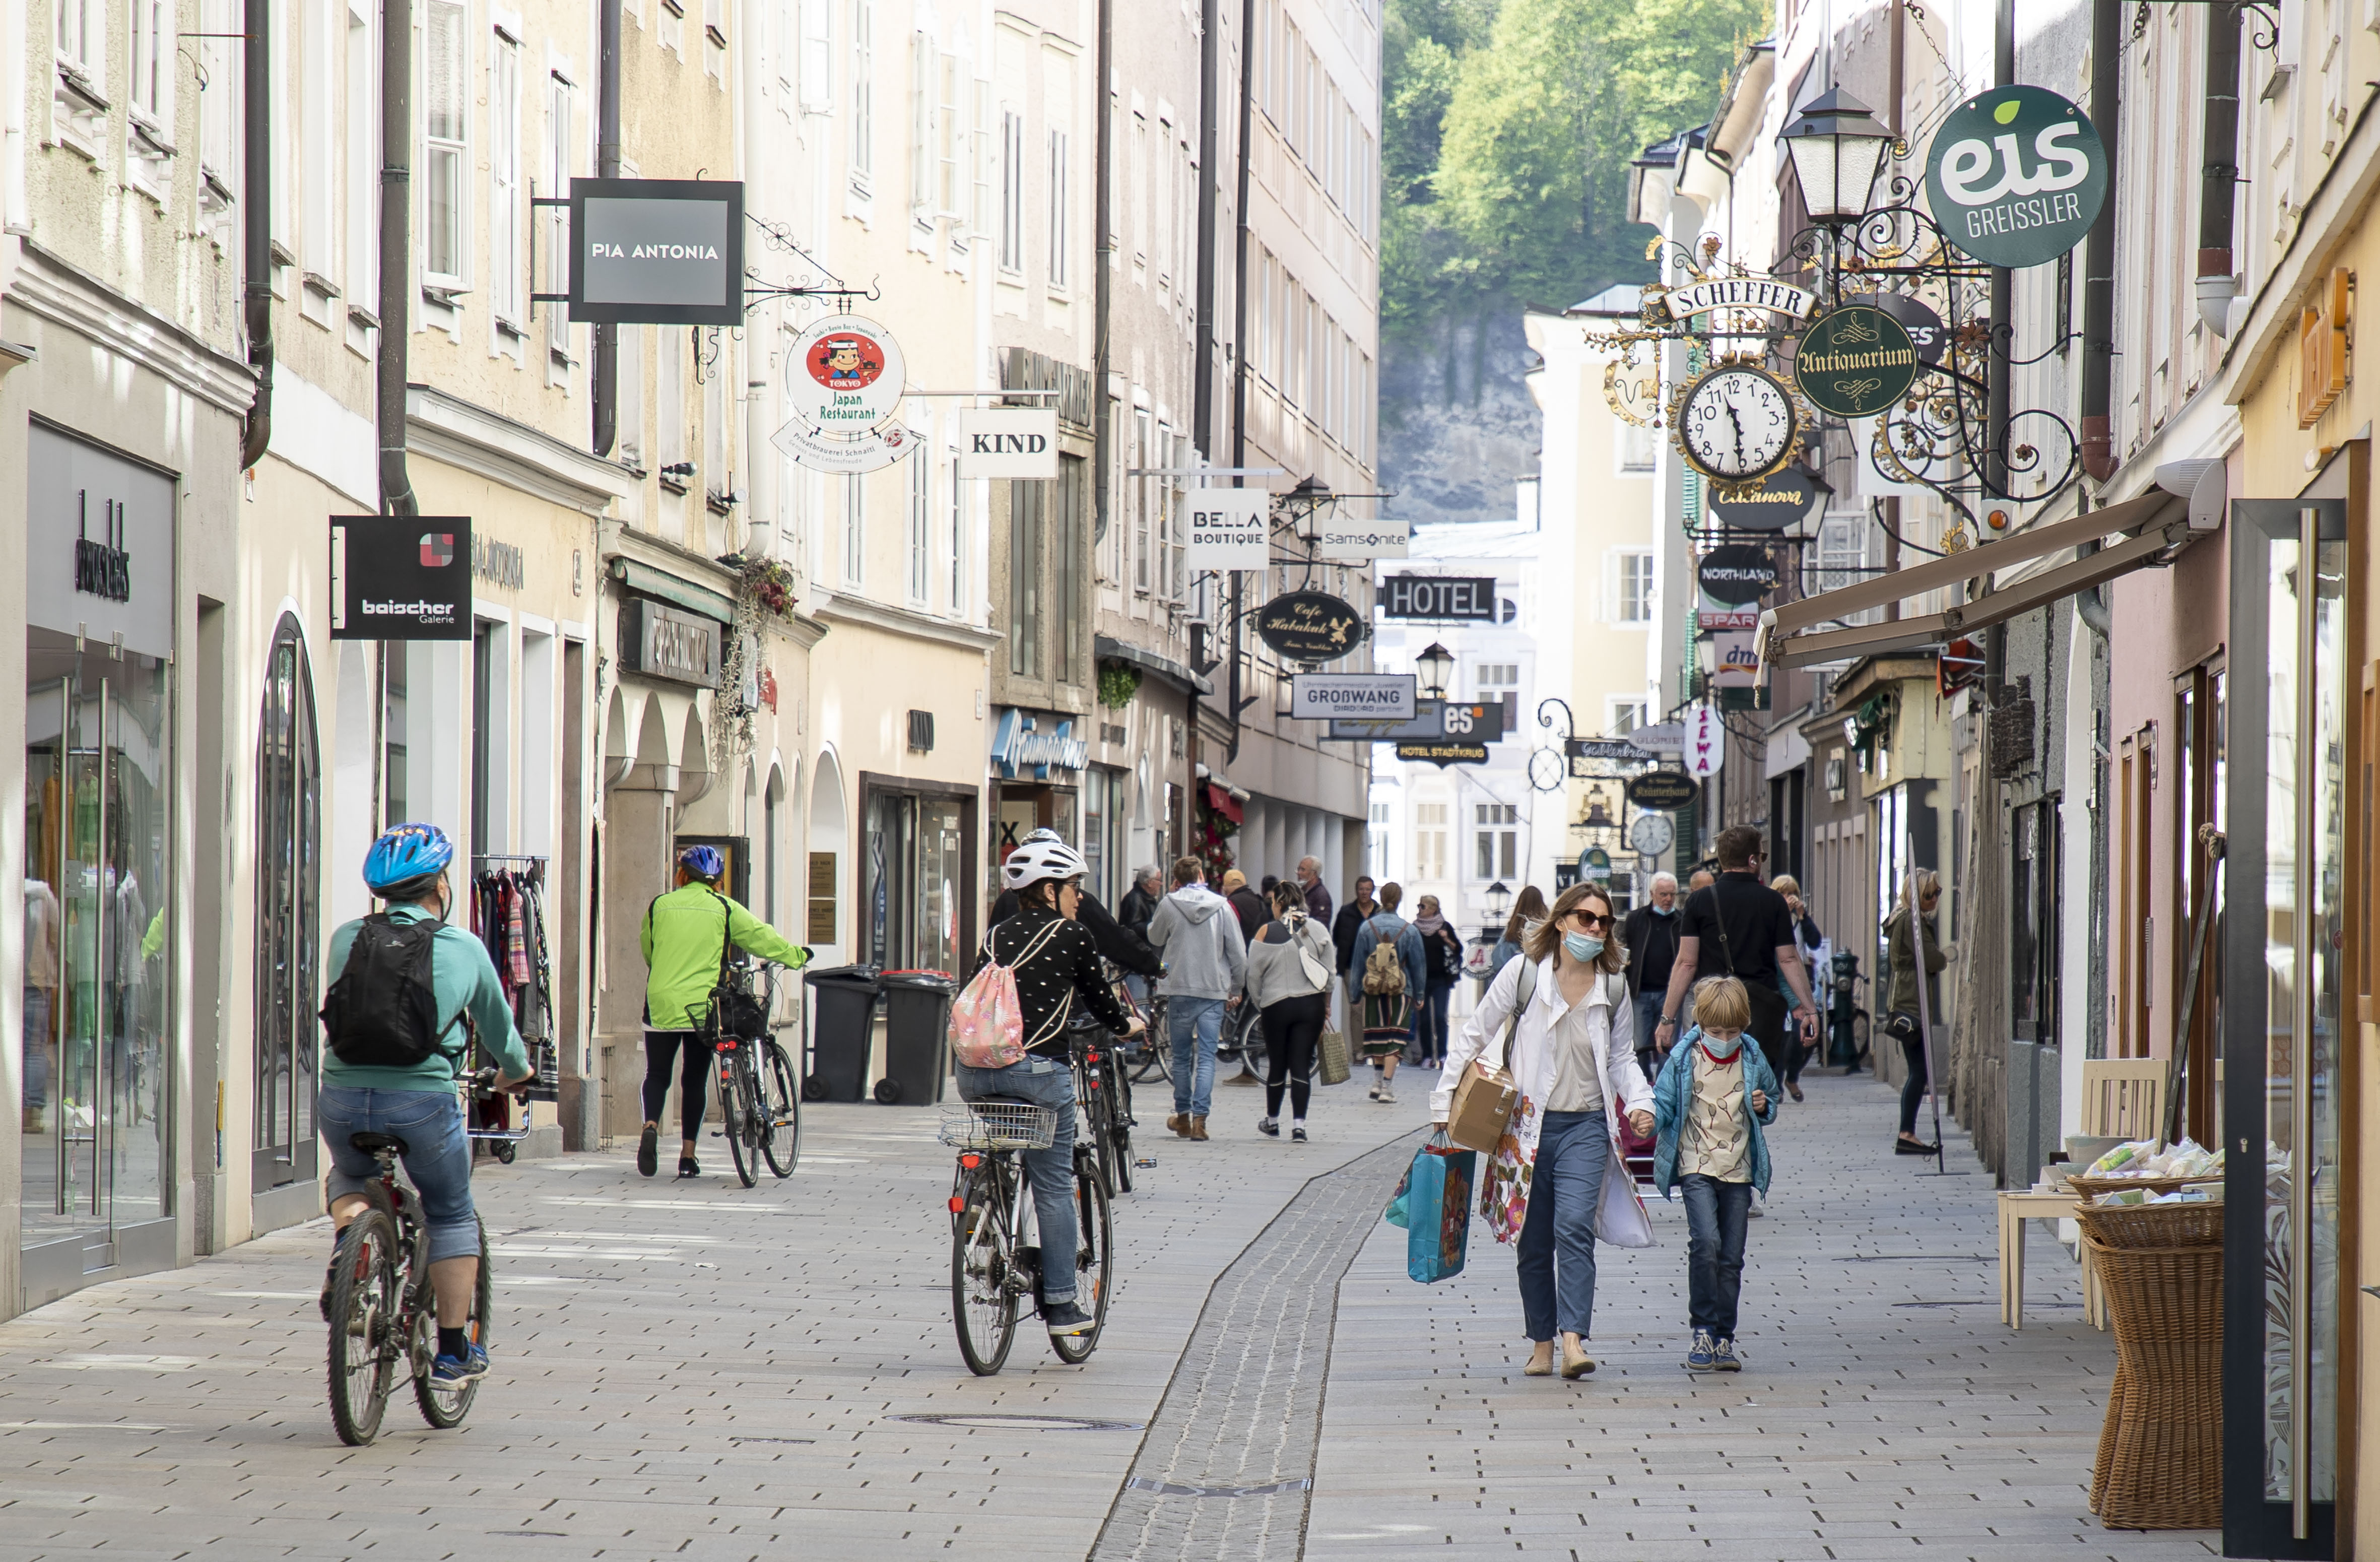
{"type": "Point", "coordinates": [1318, 899]}
{"type": "Point", "coordinates": [1651, 936]}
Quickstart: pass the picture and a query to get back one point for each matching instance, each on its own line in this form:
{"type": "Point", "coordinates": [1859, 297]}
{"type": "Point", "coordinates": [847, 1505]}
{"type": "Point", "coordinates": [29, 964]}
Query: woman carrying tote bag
{"type": "Point", "coordinates": [1571, 1052]}
{"type": "Point", "coordinates": [1288, 980]}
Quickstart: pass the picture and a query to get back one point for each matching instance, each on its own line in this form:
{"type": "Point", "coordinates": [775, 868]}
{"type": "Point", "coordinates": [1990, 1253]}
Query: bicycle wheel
{"type": "Point", "coordinates": [982, 1305]}
{"type": "Point", "coordinates": [737, 1115]}
{"type": "Point", "coordinates": [444, 1407]}
{"type": "Point", "coordinates": [1094, 1264]}
{"type": "Point", "coordinates": [781, 1138]}
{"type": "Point", "coordinates": [1119, 1122]}
{"type": "Point", "coordinates": [363, 1313]}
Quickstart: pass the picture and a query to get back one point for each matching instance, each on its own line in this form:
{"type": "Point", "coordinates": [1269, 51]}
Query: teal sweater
{"type": "Point", "coordinates": [1673, 1096]}
{"type": "Point", "coordinates": [465, 985]}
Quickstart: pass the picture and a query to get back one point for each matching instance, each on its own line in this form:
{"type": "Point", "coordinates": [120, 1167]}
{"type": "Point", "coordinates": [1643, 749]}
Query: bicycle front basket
{"type": "Point", "coordinates": [998, 1125]}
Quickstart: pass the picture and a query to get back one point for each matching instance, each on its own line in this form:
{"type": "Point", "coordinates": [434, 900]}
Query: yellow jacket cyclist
{"type": "Point", "coordinates": [684, 939]}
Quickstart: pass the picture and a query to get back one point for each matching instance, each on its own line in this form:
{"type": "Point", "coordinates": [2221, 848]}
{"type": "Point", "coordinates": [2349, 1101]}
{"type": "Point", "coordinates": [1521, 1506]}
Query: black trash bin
{"type": "Point", "coordinates": [843, 1028]}
{"type": "Point", "coordinates": [917, 1036]}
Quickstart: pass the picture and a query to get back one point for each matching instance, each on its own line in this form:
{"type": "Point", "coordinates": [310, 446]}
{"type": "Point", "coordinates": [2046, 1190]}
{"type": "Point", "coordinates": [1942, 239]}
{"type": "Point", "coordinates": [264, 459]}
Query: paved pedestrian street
{"type": "Point", "coordinates": [687, 1369]}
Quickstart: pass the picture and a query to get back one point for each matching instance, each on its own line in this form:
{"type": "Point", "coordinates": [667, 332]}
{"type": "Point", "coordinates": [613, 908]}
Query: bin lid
{"type": "Point", "coordinates": [842, 976]}
{"type": "Point", "coordinates": [921, 980]}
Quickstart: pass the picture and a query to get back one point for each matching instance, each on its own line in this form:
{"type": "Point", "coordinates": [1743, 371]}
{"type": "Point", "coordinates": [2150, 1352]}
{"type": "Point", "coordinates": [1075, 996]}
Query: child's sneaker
{"type": "Point", "coordinates": [1724, 1359]}
{"type": "Point", "coordinates": [1704, 1354]}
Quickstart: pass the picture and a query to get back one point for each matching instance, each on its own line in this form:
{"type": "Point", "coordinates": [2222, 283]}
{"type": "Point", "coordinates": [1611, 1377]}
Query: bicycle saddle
{"type": "Point", "coordinates": [1002, 1101]}
{"type": "Point", "coordinates": [373, 1143]}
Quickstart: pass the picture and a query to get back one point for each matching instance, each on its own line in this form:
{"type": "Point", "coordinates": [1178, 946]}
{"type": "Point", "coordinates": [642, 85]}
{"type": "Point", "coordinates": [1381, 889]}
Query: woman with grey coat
{"type": "Point", "coordinates": [1289, 981]}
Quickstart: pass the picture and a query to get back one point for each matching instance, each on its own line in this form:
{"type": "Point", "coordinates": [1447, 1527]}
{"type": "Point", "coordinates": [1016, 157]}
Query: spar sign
{"type": "Point", "coordinates": [2016, 176]}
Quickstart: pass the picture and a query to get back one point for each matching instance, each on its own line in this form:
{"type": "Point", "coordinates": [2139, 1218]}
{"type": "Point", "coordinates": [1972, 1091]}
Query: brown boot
{"type": "Point", "coordinates": [1198, 1126]}
{"type": "Point", "coordinates": [1178, 1124]}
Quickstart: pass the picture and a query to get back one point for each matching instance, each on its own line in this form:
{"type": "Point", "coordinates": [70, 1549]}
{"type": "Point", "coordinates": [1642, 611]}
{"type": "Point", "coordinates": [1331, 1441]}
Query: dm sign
{"type": "Point", "coordinates": [657, 251]}
{"type": "Point", "coordinates": [2016, 176]}
{"type": "Point", "coordinates": [1310, 627]}
{"type": "Point", "coordinates": [1856, 362]}
{"type": "Point", "coordinates": [403, 577]}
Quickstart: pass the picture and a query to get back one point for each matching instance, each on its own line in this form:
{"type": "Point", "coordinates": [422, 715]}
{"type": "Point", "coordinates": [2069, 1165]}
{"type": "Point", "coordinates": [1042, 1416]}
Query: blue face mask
{"type": "Point", "coordinates": [1581, 947]}
{"type": "Point", "coordinates": [1660, 911]}
{"type": "Point", "coordinates": [1718, 1048]}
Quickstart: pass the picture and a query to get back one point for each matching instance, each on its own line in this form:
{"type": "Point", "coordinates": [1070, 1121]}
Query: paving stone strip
{"type": "Point", "coordinates": [1226, 1470]}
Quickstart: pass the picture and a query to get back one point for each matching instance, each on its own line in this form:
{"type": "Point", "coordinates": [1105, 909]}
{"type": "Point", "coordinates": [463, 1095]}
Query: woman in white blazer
{"type": "Point", "coordinates": [1572, 1057]}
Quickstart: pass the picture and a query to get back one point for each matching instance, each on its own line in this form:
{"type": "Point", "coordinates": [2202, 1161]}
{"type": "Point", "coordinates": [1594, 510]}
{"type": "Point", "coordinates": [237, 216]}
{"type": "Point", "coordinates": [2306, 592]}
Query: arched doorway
{"type": "Point", "coordinates": [288, 913]}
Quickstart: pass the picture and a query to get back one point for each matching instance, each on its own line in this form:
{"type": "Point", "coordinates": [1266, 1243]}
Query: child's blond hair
{"type": "Point", "coordinates": [1721, 1004]}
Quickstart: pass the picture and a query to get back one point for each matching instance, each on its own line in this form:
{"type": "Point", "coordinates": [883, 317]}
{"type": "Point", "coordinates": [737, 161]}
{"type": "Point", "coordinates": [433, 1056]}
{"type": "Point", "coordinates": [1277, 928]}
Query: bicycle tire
{"type": "Point", "coordinates": [363, 1315]}
{"type": "Point", "coordinates": [1120, 1124]}
{"type": "Point", "coordinates": [445, 1408]}
{"type": "Point", "coordinates": [782, 1141]}
{"type": "Point", "coordinates": [1094, 1266]}
{"type": "Point", "coordinates": [983, 1306]}
{"type": "Point", "coordinates": [736, 1120]}
{"type": "Point", "coordinates": [1102, 1135]}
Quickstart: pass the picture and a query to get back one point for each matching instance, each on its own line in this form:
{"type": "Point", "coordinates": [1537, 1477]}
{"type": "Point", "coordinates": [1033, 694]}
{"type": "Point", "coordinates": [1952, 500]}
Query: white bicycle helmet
{"type": "Point", "coordinates": [1042, 856]}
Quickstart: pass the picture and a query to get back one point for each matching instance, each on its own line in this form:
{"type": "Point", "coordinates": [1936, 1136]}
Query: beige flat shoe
{"type": "Point", "coordinates": [1576, 1363]}
{"type": "Point", "coordinates": [1541, 1360]}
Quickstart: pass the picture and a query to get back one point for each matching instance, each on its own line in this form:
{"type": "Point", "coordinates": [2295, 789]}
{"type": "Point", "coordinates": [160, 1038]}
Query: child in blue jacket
{"type": "Point", "coordinates": [1713, 1098]}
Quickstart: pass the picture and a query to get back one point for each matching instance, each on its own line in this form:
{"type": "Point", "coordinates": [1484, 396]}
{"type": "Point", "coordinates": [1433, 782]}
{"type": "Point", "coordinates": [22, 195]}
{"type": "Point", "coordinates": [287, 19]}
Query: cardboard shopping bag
{"type": "Point", "coordinates": [1436, 1198]}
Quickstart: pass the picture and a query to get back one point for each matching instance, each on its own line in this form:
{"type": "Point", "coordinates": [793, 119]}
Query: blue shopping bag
{"type": "Point", "coordinates": [1433, 1204]}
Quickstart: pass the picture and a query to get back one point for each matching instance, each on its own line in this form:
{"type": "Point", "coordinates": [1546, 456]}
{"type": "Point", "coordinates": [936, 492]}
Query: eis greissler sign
{"type": "Point", "coordinates": [2016, 176]}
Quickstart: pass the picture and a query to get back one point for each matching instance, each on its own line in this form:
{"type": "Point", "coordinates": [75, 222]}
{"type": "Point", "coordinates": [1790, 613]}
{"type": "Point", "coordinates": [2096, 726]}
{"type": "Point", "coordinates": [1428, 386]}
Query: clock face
{"type": "Point", "coordinates": [1737, 424]}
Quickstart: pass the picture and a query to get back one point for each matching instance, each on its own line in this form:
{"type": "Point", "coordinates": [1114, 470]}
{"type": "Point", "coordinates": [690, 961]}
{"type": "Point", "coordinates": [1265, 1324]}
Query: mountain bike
{"type": "Point", "coordinates": [995, 1267]}
{"type": "Point", "coordinates": [1150, 1053]}
{"type": "Point", "coordinates": [1242, 1042]}
{"type": "Point", "coordinates": [383, 1309]}
{"type": "Point", "coordinates": [1105, 1099]}
{"type": "Point", "coordinates": [759, 1103]}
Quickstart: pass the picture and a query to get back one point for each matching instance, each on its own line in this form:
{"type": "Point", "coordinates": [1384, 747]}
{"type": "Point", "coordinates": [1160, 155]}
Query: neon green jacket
{"type": "Point", "coordinates": [685, 934]}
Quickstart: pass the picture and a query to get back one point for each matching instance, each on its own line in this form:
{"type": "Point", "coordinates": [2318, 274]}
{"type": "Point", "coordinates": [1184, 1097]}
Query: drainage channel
{"type": "Point", "coordinates": [1227, 1467]}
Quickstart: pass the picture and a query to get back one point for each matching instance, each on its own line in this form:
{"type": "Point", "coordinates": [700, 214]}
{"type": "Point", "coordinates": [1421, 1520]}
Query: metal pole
{"type": "Point", "coordinates": [395, 250]}
{"type": "Point", "coordinates": [606, 376]}
{"type": "Point", "coordinates": [1917, 958]}
{"type": "Point", "coordinates": [2302, 1047]}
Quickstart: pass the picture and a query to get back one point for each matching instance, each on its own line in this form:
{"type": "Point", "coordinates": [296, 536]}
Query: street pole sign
{"type": "Point", "coordinates": [1705, 741]}
{"type": "Point", "coordinates": [2016, 176]}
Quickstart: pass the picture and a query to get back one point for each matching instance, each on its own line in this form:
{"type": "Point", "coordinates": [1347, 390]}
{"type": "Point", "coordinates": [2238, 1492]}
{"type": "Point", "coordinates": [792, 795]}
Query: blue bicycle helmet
{"type": "Point", "coordinates": [406, 854]}
{"type": "Point", "coordinates": [703, 861]}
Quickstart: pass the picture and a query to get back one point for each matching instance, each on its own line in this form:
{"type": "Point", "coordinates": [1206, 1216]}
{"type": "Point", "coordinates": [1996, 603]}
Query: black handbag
{"type": "Point", "coordinates": [736, 1011]}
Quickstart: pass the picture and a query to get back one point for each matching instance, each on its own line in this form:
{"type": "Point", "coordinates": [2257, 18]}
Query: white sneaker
{"type": "Point", "coordinates": [1387, 1096]}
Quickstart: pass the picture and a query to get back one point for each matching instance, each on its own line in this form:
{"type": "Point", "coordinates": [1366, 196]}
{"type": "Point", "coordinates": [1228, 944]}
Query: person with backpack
{"type": "Point", "coordinates": [1206, 960]}
{"type": "Point", "coordinates": [1443, 954]}
{"type": "Point", "coordinates": [1009, 1035]}
{"type": "Point", "coordinates": [1394, 973]}
{"type": "Point", "coordinates": [684, 940]}
{"type": "Point", "coordinates": [1289, 981]}
{"type": "Point", "coordinates": [1118, 940]}
{"type": "Point", "coordinates": [408, 995]}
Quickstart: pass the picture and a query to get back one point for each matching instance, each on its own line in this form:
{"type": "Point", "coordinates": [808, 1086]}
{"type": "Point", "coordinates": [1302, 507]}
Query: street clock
{"type": "Point", "coordinates": [1738, 423]}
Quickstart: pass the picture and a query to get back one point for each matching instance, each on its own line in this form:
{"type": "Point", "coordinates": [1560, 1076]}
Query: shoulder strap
{"type": "Point", "coordinates": [1525, 987]}
{"type": "Point", "coordinates": [726, 933]}
{"type": "Point", "coordinates": [1719, 916]}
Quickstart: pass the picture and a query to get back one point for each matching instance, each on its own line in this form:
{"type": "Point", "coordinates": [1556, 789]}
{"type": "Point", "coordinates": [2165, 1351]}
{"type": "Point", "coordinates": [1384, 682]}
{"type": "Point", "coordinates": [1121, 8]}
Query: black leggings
{"type": "Point", "coordinates": [694, 1079]}
{"type": "Point", "coordinates": [1912, 1090]}
{"type": "Point", "coordinates": [1292, 1029]}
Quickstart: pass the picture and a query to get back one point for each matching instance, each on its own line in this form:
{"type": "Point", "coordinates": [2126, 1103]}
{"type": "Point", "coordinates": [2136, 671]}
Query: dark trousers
{"type": "Point", "coordinates": [694, 1082]}
{"type": "Point", "coordinates": [1800, 1054]}
{"type": "Point", "coordinates": [1292, 1030]}
{"type": "Point", "coordinates": [1429, 1025]}
{"type": "Point", "coordinates": [1912, 1090]}
{"type": "Point", "coordinates": [1717, 1214]}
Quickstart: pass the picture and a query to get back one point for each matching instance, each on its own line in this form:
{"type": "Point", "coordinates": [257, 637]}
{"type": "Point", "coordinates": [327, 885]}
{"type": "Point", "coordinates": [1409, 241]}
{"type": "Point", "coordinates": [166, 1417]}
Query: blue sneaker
{"type": "Point", "coordinates": [455, 1371]}
{"type": "Point", "coordinates": [1724, 1359]}
{"type": "Point", "coordinates": [1705, 1353]}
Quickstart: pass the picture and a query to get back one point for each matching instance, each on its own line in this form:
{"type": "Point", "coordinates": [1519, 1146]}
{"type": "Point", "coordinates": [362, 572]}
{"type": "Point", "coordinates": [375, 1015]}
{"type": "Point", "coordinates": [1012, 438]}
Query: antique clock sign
{"type": "Point", "coordinates": [1856, 362]}
{"type": "Point", "coordinates": [1737, 424]}
{"type": "Point", "coordinates": [1310, 627]}
{"type": "Point", "coordinates": [2016, 176]}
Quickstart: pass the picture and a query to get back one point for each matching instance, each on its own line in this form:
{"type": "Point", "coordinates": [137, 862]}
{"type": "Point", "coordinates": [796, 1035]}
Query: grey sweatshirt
{"type": "Point", "coordinates": [1203, 951]}
{"type": "Point", "coordinates": [1274, 971]}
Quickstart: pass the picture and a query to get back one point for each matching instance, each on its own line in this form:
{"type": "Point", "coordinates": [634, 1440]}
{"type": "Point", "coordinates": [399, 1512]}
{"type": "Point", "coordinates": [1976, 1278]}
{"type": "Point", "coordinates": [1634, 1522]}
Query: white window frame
{"type": "Point", "coordinates": [1060, 210]}
{"type": "Point", "coordinates": [862, 148]}
{"type": "Point", "coordinates": [921, 127]}
{"type": "Point", "coordinates": [1624, 714]}
{"type": "Point", "coordinates": [1630, 600]}
{"type": "Point", "coordinates": [561, 147]}
{"type": "Point", "coordinates": [446, 159]}
{"type": "Point", "coordinates": [629, 403]}
{"type": "Point", "coordinates": [507, 205]}
{"type": "Point", "coordinates": [1011, 190]}
{"type": "Point", "coordinates": [149, 94]}
{"type": "Point", "coordinates": [854, 530]}
{"type": "Point", "coordinates": [817, 68]}
{"type": "Point", "coordinates": [921, 524]}
{"type": "Point", "coordinates": [362, 146]}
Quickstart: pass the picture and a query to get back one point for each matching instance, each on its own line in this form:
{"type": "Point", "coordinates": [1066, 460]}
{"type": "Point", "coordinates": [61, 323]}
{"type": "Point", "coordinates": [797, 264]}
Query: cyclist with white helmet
{"type": "Point", "coordinates": [395, 1052]}
{"type": "Point", "coordinates": [1057, 966]}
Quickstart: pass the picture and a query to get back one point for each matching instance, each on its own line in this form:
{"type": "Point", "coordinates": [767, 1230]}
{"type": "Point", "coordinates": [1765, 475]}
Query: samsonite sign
{"type": "Point", "coordinates": [1009, 442]}
{"type": "Point", "coordinates": [657, 251]}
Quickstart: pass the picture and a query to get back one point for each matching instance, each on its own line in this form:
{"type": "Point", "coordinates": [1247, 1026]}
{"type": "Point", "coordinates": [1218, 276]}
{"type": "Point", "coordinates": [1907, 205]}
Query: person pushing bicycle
{"type": "Point", "coordinates": [408, 997]}
{"type": "Point", "coordinates": [1056, 963]}
{"type": "Point", "coordinates": [685, 942]}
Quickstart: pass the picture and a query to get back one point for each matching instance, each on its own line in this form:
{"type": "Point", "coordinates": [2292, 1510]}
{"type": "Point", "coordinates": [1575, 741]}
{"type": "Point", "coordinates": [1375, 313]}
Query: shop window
{"type": "Point", "coordinates": [1074, 545]}
{"type": "Point", "coordinates": [2198, 807]}
{"type": "Point", "coordinates": [395, 660]}
{"type": "Point", "coordinates": [2033, 936]}
{"type": "Point", "coordinates": [2135, 925]}
{"type": "Point", "coordinates": [491, 731]}
{"type": "Point", "coordinates": [1025, 578]}
{"type": "Point", "coordinates": [288, 911]}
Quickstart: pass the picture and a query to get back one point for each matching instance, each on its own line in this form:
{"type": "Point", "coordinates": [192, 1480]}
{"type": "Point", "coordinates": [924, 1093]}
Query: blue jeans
{"type": "Point", "coordinates": [1047, 1082]}
{"type": "Point", "coordinates": [1556, 1246]}
{"type": "Point", "coordinates": [1198, 1026]}
{"type": "Point", "coordinates": [437, 1157]}
{"type": "Point", "coordinates": [1430, 1024]}
{"type": "Point", "coordinates": [1648, 1021]}
{"type": "Point", "coordinates": [1717, 1214]}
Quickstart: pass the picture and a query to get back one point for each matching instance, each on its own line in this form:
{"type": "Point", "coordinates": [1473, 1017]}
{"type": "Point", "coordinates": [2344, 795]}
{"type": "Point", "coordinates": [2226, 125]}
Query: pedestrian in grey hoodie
{"type": "Point", "coordinates": [1206, 957]}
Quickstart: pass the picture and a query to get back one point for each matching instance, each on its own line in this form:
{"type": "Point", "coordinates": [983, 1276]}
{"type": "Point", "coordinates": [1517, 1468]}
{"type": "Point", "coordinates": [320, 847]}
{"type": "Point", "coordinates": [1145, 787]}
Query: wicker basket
{"type": "Point", "coordinates": [2154, 1225]}
{"type": "Point", "coordinates": [2091, 1187]}
{"type": "Point", "coordinates": [2160, 1463]}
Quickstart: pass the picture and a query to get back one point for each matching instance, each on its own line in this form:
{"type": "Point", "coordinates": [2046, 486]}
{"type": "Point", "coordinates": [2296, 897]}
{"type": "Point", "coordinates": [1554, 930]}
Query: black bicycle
{"type": "Point", "coordinates": [1147, 1055]}
{"type": "Point", "coordinates": [760, 1101]}
{"type": "Point", "coordinates": [383, 1309]}
{"type": "Point", "coordinates": [1104, 1098]}
{"type": "Point", "coordinates": [995, 1266]}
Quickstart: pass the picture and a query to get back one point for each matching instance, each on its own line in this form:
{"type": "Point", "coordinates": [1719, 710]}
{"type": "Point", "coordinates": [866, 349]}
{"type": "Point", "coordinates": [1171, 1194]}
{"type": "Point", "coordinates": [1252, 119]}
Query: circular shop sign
{"type": "Point", "coordinates": [1664, 791]}
{"type": "Point", "coordinates": [847, 374]}
{"type": "Point", "coordinates": [1310, 627]}
{"type": "Point", "coordinates": [1776, 502]}
{"type": "Point", "coordinates": [1738, 574]}
{"type": "Point", "coordinates": [1927, 332]}
{"type": "Point", "coordinates": [2016, 176]}
{"type": "Point", "coordinates": [1856, 362]}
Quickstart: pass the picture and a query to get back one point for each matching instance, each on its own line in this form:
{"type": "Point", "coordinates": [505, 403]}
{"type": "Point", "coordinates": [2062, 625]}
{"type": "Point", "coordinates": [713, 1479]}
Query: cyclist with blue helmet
{"type": "Point", "coordinates": [416, 1102]}
{"type": "Point", "coordinates": [685, 941]}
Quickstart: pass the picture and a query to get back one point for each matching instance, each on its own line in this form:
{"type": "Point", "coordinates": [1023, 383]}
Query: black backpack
{"type": "Point", "coordinates": [382, 1011]}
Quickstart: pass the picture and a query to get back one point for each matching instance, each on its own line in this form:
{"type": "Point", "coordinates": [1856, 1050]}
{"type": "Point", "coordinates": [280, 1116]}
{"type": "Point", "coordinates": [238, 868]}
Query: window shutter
{"type": "Point", "coordinates": [817, 58]}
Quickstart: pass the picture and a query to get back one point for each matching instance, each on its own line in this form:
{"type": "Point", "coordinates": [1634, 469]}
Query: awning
{"type": "Point", "coordinates": [669, 588]}
{"type": "Point", "coordinates": [1220, 799]}
{"type": "Point", "coordinates": [1108, 648]}
{"type": "Point", "coordinates": [2154, 528]}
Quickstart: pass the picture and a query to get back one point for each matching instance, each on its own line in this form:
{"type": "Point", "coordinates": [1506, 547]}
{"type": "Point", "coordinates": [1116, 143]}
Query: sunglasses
{"type": "Point", "coordinates": [1589, 919]}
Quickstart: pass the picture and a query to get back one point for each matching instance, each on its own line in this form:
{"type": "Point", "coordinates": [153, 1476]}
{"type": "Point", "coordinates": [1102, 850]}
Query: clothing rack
{"type": "Point", "coordinates": [508, 916]}
{"type": "Point", "coordinates": [536, 873]}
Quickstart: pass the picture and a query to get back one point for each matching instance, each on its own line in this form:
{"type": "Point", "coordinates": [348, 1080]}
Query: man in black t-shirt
{"type": "Point", "coordinates": [1741, 916]}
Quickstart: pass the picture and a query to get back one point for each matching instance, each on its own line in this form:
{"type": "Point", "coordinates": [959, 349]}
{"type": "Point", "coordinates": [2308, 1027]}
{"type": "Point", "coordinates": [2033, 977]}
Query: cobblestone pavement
{"type": "Point", "coordinates": [685, 1370]}
{"type": "Point", "coordinates": [1884, 1411]}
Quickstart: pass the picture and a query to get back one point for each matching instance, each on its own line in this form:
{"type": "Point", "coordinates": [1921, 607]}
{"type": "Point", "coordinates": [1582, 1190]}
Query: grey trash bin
{"type": "Point", "coordinates": [842, 1032]}
{"type": "Point", "coordinates": [917, 1036]}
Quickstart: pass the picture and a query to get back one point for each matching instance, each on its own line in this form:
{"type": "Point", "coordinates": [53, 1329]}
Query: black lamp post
{"type": "Point", "coordinates": [1500, 906]}
{"type": "Point", "coordinates": [1437, 669]}
{"type": "Point", "coordinates": [1837, 146]}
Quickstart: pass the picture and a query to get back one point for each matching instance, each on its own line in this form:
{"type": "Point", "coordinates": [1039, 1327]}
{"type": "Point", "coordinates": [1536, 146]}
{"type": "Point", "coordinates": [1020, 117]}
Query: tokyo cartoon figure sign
{"type": "Point", "coordinates": [846, 375]}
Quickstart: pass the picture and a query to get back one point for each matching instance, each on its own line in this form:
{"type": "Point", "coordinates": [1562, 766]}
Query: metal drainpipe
{"type": "Point", "coordinates": [605, 397]}
{"type": "Point", "coordinates": [396, 249]}
{"type": "Point", "coordinates": [256, 64]}
{"type": "Point", "coordinates": [1102, 283]}
{"type": "Point", "coordinates": [1202, 395]}
{"type": "Point", "coordinates": [2219, 169]}
{"type": "Point", "coordinates": [760, 491]}
{"type": "Point", "coordinates": [2099, 246]}
{"type": "Point", "coordinates": [1240, 352]}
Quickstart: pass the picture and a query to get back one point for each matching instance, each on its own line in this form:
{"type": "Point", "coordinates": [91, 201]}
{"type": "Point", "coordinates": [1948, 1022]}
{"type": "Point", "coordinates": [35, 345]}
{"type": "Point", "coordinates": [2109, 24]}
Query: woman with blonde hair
{"type": "Point", "coordinates": [1901, 1015]}
{"type": "Point", "coordinates": [1559, 1019]}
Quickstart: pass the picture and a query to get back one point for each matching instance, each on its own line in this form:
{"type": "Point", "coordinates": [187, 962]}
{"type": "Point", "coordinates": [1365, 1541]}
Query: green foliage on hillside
{"type": "Point", "coordinates": [1508, 128]}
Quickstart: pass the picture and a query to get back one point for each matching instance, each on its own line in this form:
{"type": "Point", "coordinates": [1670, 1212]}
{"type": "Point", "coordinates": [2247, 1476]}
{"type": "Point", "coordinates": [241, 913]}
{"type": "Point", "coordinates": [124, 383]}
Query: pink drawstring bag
{"type": "Point", "coordinates": [987, 1022]}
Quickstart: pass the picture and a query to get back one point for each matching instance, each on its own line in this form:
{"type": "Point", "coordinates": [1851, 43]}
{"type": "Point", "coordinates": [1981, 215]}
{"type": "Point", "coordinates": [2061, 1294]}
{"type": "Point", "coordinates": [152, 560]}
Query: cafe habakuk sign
{"type": "Point", "coordinates": [1310, 627]}
{"type": "Point", "coordinates": [2016, 176]}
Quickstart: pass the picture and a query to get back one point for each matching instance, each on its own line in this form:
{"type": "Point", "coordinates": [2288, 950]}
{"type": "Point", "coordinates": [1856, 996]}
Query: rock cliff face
{"type": "Point", "coordinates": [1457, 422]}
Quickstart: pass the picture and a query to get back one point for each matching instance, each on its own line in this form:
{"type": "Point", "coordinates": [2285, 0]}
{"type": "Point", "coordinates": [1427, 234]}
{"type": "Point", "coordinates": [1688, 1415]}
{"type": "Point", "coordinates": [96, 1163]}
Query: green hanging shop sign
{"type": "Point", "coordinates": [2016, 176]}
{"type": "Point", "coordinates": [1856, 362]}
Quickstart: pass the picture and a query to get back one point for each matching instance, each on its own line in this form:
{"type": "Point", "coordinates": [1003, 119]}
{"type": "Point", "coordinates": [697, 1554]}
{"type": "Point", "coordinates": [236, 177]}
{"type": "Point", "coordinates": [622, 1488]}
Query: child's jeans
{"type": "Point", "coordinates": [1717, 1214]}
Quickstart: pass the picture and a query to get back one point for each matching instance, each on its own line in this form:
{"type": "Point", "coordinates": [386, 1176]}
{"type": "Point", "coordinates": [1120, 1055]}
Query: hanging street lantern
{"type": "Point", "coordinates": [1437, 669]}
{"type": "Point", "coordinates": [1837, 146]}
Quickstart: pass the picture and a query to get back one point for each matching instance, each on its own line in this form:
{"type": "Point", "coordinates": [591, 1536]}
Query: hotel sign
{"type": "Point", "coordinates": [1740, 292]}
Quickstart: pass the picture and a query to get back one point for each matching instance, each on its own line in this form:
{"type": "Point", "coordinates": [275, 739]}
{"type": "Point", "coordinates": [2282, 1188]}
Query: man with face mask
{"type": "Point", "coordinates": [1652, 939]}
